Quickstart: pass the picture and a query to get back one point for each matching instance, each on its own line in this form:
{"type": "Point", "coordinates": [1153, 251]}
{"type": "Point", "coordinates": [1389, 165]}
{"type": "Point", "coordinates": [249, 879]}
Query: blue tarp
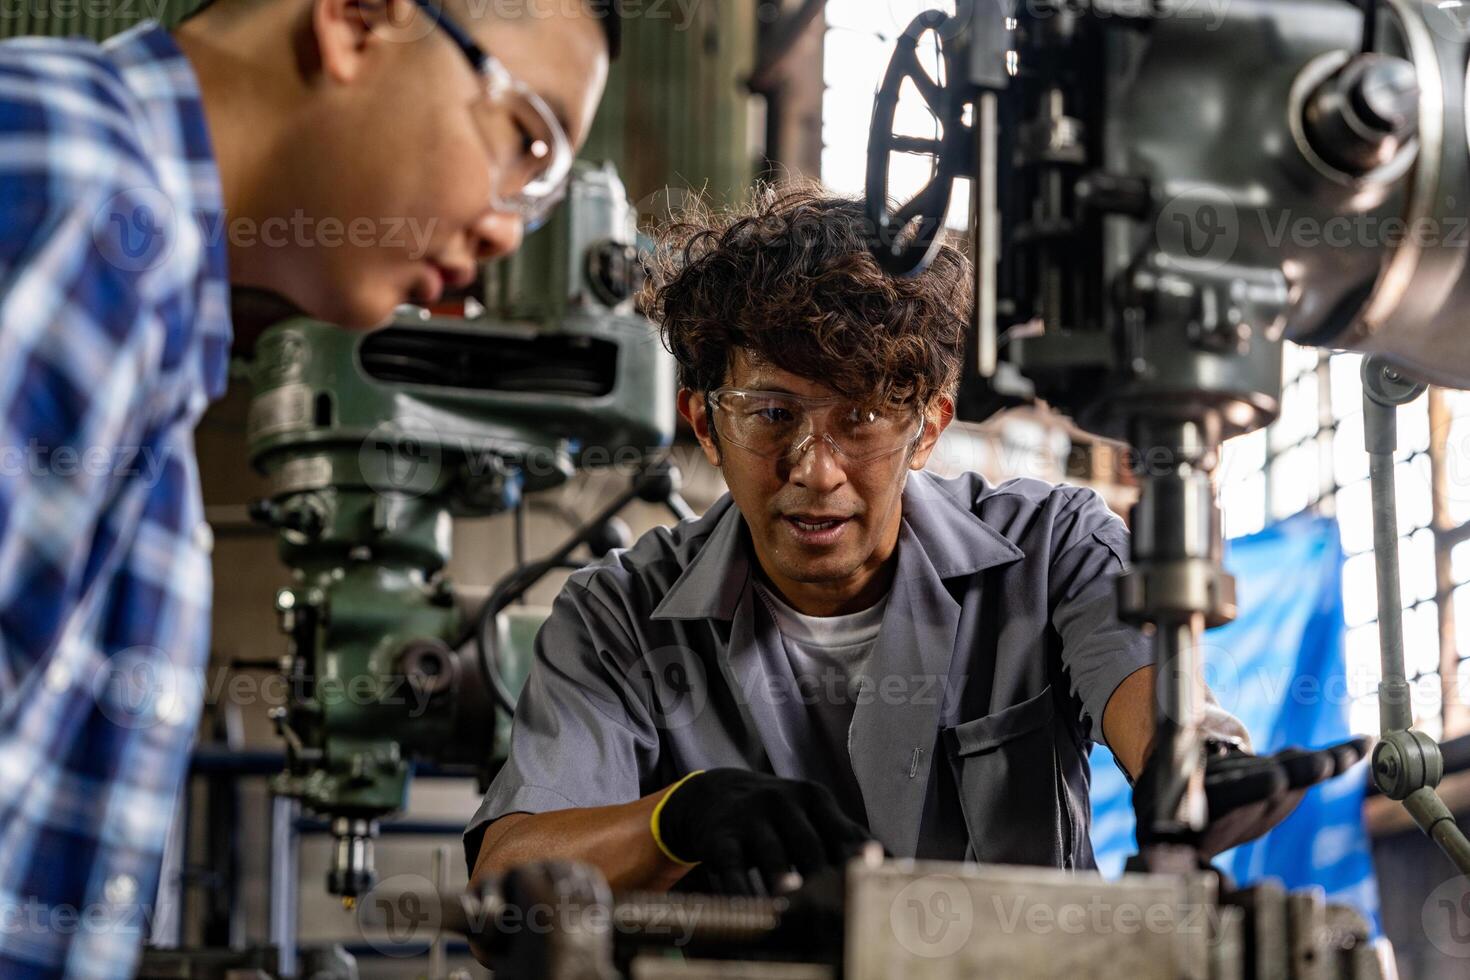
{"type": "Point", "coordinates": [1279, 668]}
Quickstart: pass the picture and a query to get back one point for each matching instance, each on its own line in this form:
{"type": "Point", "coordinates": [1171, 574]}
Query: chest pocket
{"type": "Point", "coordinates": [1009, 780]}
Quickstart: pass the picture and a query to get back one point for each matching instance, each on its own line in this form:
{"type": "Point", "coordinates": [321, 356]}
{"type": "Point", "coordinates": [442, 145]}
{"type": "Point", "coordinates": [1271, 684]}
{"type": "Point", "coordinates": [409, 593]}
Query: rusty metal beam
{"type": "Point", "coordinates": [778, 43]}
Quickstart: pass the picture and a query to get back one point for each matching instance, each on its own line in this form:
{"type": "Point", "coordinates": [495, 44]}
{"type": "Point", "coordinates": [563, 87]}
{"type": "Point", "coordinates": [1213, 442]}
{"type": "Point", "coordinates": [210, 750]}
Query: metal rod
{"type": "Point", "coordinates": [1394, 713]}
{"type": "Point", "coordinates": [1180, 694]}
{"type": "Point", "coordinates": [283, 881]}
{"type": "Point", "coordinates": [1436, 820]}
{"type": "Point", "coordinates": [1380, 423]}
{"type": "Point", "coordinates": [987, 237]}
{"type": "Point", "coordinates": [438, 968]}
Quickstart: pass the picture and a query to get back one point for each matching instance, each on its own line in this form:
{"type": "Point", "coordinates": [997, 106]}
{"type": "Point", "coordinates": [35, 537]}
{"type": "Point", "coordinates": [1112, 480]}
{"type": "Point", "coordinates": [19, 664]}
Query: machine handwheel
{"type": "Point", "coordinates": [904, 241]}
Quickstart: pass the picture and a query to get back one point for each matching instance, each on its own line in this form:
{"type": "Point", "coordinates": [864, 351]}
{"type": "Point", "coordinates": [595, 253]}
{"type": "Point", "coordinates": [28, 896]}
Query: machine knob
{"type": "Point", "coordinates": [1361, 116]}
{"type": "Point", "coordinates": [613, 271]}
{"type": "Point", "coordinates": [430, 666]}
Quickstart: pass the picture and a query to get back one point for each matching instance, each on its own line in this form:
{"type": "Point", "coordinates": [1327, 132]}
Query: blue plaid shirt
{"type": "Point", "coordinates": [114, 336]}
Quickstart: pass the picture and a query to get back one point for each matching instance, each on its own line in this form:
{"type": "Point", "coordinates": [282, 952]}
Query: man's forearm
{"type": "Point", "coordinates": [615, 839]}
{"type": "Point", "coordinates": [1128, 721]}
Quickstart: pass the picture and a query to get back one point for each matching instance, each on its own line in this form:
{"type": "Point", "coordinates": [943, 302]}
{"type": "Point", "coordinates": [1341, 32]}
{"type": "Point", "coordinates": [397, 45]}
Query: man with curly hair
{"type": "Point", "coordinates": [844, 647]}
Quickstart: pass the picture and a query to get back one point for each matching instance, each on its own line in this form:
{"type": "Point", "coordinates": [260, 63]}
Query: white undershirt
{"type": "Point", "coordinates": [829, 656]}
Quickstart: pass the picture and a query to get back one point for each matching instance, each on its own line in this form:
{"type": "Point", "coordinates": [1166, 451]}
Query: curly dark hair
{"type": "Point", "coordinates": [788, 279]}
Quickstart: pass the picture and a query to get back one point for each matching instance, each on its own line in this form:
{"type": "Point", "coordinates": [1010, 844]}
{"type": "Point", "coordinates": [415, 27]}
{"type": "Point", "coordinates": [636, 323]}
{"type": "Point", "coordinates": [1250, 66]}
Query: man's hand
{"type": "Point", "coordinates": [734, 821]}
{"type": "Point", "coordinates": [1246, 795]}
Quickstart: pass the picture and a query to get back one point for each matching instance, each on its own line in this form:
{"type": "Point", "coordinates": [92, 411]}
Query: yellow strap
{"type": "Point", "coordinates": [653, 822]}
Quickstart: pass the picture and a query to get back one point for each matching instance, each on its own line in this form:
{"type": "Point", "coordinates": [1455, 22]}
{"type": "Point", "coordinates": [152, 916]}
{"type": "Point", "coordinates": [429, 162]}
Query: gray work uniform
{"type": "Point", "coordinates": [999, 649]}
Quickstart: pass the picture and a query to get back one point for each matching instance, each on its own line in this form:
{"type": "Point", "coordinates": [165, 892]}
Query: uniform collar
{"type": "Point", "coordinates": [942, 523]}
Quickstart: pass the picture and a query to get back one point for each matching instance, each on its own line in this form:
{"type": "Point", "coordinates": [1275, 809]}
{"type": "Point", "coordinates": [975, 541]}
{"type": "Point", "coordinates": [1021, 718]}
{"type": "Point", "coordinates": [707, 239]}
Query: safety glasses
{"type": "Point", "coordinates": [777, 425]}
{"type": "Point", "coordinates": [533, 179]}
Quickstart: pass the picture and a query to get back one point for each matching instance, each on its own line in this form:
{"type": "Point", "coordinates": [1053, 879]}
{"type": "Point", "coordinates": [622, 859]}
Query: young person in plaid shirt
{"type": "Point", "coordinates": [139, 180]}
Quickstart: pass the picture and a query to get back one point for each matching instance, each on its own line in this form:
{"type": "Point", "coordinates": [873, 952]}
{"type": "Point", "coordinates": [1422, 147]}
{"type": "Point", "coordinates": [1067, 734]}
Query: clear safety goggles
{"type": "Point", "coordinates": [533, 178]}
{"type": "Point", "coordinates": [777, 425]}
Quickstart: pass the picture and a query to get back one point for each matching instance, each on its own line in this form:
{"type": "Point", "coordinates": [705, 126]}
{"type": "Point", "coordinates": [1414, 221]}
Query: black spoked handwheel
{"type": "Point", "coordinates": [903, 241]}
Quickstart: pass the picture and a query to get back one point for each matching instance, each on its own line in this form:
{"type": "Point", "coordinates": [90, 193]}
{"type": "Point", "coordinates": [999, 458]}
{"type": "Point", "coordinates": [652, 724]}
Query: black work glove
{"type": "Point", "coordinates": [1246, 795]}
{"type": "Point", "coordinates": [735, 822]}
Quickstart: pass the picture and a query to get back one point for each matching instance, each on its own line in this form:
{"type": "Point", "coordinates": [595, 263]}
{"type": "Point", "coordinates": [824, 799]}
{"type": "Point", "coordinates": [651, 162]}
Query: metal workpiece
{"type": "Point", "coordinates": [922, 920]}
{"type": "Point", "coordinates": [883, 918]}
{"type": "Point", "coordinates": [1264, 930]}
{"type": "Point", "coordinates": [1325, 941]}
{"type": "Point", "coordinates": [1307, 935]}
{"type": "Point", "coordinates": [1350, 945]}
{"type": "Point", "coordinates": [1228, 950]}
